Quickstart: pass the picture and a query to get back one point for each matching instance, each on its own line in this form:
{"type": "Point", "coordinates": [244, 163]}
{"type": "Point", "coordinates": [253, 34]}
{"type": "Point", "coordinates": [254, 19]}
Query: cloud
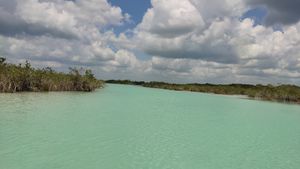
{"type": "Point", "coordinates": [171, 19]}
{"type": "Point", "coordinates": [13, 26]}
{"type": "Point", "coordinates": [58, 18]}
{"type": "Point", "coordinates": [188, 29]}
{"type": "Point", "coordinates": [279, 12]}
{"type": "Point", "coordinates": [12, 23]}
{"type": "Point", "coordinates": [177, 40]}
{"type": "Point", "coordinates": [210, 10]}
{"type": "Point", "coordinates": [67, 33]}
{"type": "Point", "coordinates": [245, 51]}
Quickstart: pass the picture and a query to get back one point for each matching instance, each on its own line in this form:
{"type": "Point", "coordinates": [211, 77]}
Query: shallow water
{"type": "Point", "coordinates": [128, 127]}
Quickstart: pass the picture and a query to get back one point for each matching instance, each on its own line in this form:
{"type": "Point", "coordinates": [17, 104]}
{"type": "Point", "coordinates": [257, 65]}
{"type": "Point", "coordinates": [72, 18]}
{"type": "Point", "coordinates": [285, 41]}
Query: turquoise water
{"type": "Point", "coordinates": [127, 127]}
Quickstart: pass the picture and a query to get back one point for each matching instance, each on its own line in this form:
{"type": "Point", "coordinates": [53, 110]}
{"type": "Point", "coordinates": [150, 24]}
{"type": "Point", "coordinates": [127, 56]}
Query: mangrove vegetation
{"type": "Point", "coordinates": [23, 77]}
{"type": "Point", "coordinates": [280, 93]}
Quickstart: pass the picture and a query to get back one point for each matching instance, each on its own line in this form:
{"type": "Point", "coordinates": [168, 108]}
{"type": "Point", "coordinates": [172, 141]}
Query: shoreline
{"type": "Point", "coordinates": [286, 94]}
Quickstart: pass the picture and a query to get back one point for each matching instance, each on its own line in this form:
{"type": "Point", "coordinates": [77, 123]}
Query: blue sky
{"type": "Point", "coordinates": [257, 14]}
{"type": "Point", "coordinates": [135, 8]}
{"type": "Point", "coordinates": [138, 8]}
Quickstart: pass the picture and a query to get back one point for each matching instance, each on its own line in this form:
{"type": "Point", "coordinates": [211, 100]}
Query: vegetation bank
{"type": "Point", "coordinates": [280, 93]}
{"type": "Point", "coordinates": [23, 77]}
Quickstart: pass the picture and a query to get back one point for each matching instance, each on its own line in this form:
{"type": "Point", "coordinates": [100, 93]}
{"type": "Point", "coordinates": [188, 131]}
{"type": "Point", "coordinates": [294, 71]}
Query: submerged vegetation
{"type": "Point", "coordinates": [18, 78]}
{"type": "Point", "coordinates": [280, 93]}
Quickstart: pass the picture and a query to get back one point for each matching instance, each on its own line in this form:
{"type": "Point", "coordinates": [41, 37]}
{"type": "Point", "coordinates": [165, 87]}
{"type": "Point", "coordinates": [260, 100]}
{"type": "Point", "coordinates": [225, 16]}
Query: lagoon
{"type": "Point", "coordinates": [130, 127]}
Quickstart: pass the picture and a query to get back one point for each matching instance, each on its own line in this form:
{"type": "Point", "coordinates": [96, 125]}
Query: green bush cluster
{"type": "Point", "coordinates": [18, 78]}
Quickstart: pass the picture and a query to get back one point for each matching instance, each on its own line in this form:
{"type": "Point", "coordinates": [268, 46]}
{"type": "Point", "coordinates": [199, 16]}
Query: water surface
{"type": "Point", "coordinates": [128, 127]}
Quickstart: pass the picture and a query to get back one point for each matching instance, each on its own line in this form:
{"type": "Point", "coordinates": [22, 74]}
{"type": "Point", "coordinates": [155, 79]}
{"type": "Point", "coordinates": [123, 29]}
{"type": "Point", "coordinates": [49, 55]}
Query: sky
{"type": "Point", "coordinates": [179, 41]}
{"type": "Point", "coordinates": [135, 8]}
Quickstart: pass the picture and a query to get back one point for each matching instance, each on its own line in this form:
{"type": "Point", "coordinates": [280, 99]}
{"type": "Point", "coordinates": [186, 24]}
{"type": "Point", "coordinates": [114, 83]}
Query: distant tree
{"type": "Point", "coordinates": [2, 60]}
{"type": "Point", "coordinates": [27, 64]}
{"type": "Point", "coordinates": [89, 74]}
{"type": "Point", "coordinates": [48, 69]}
{"type": "Point", "coordinates": [75, 76]}
{"type": "Point", "coordinates": [74, 71]}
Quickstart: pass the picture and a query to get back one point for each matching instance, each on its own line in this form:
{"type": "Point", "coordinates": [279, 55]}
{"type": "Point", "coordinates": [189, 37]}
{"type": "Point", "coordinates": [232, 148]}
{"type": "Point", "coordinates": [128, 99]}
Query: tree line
{"type": "Point", "coordinates": [280, 93]}
{"type": "Point", "coordinates": [23, 77]}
